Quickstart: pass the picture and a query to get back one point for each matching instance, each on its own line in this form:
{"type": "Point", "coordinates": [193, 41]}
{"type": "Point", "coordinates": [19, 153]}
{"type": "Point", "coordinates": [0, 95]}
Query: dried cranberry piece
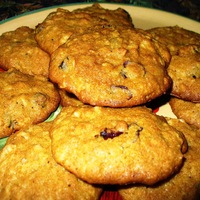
{"type": "Point", "coordinates": [109, 133]}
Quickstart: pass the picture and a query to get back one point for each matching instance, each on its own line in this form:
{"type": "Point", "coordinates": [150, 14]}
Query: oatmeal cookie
{"type": "Point", "coordinates": [183, 185]}
{"type": "Point", "coordinates": [188, 111]}
{"type": "Point", "coordinates": [69, 99]}
{"type": "Point", "coordinates": [24, 100]}
{"type": "Point", "coordinates": [104, 145]}
{"type": "Point", "coordinates": [108, 67]}
{"type": "Point", "coordinates": [28, 171]}
{"type": "Point", "coordinates": [175, 37]}
{"type": "Point", "coordinates": [56, 29]}
{"type": "Point", "coordinates": [19, 50]}
{"type": "Point", "coordinates": [118, 17]}
{"type": "Point", "coordinates": [184, 70]}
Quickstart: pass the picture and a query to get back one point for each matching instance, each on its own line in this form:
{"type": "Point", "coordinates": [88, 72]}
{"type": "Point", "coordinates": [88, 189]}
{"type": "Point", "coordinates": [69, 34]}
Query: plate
{"type": "Point", "coordinates": [144, 18]}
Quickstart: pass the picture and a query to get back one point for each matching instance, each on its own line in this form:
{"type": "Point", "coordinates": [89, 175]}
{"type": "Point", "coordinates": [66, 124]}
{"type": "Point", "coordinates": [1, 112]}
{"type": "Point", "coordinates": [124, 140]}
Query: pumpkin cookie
{"type": "Point", "coordinates": [24, 100]}
{"type": "Point", "coordinates": [183, 185]}
{"type": "Point", "coordinates": [19, 50]}
{"type": "Point", "coordinates": [110, 67]}
{"type": "Point", "coordinates": [104, 145]}
{"type": "Point", "coordinates": [56, 29]}
{"type": "Point", "coordinates": [188, 111]}
{"type": "Point", "coordinates": [28, 171]}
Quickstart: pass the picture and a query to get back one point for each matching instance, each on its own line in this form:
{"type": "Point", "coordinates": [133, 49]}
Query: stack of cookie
{"type": "Point", "coordinates": [184, 69]}
{"type": "Point", "coordinates": [27, 96]}
{"type": "Point", "coordinates": [104, 72]}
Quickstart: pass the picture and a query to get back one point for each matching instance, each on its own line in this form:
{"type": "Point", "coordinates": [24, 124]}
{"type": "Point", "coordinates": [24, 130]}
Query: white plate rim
{"type": "Point", "coordinates": [158, 17]}
{"type": "Point", "coordinates": [139, 15]}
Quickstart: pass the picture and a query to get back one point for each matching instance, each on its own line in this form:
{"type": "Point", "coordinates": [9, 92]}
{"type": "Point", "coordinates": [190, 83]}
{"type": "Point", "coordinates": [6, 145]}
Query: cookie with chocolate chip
{"type": "Point", "coordinates": [112, 67]}
{"type": "Point", "coordinates": [24, 100]}
{"type": "Point", "coordinates": [58, 26]}
{"type": "Point", "coordinates": [184, 184]}
{"type": "Point", "coordinates": [28, 170]}
{"type": "Point", "coordinates": [20, 50]}
{"type": "Point", "coordinates": [186, 110]}
{"type": "Point", "coordinates": [103, 145]}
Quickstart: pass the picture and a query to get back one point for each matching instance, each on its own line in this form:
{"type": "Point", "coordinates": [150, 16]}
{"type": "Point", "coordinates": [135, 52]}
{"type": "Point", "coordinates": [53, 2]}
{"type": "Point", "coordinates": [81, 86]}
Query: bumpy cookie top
{"type": "Point", "coordinates": [186, 110]}
{"type": "Point", "coordinates": [56, 29]}
{"type": "Point", "coordinates": [184, 69]}
{"type": "Point", "coordinates": [27, 160]}
{"type": "Point", "coordinates": [175, 37]}
{"type": "Point", "coordinates": [185, 184]}
{"type": "Point", "coordinates": [19, 50]}
{"type": "Point", "coordinates": [116, 146]}
{"type": "Point", "coordinates": [105, 66]}
{"type": "Point", "coordinates": [24, 100]}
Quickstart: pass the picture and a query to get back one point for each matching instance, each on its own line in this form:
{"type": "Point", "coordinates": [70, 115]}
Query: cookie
{"type": "Point", "coordinates": [24, 100]}
{"type": "Point", "coordinates": [110, 67]}
{"type": "Point", "coordinates": [175, 37]}
{"type": "Point", "coordinates": [102, 145]}
{"type": "Point", "coordinates": [183, 185]}
{"type": "Point", "coordinates": [68, 99]}
{"type": "Point", "coordinates": [19, 50]}
{"type": "Point", "coordinates": [184, 70]}
{"type": "Point", "coordinates": [118, 17]}
{"type": "Point", "coordinates": [58, 26]}
{"type": "Point", "coordinates": [28, 170]}
{"type": "Point", "coordinates": [188, 111]}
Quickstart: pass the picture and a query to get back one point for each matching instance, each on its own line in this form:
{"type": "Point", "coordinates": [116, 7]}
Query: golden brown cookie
{"type": "Point", "coordinates": [28, 171]}
{"type": "Point", "coordinates": [118, 17]}
{"type": "Point", "coordinates": [116, 146]}
{"type": "Point", "coordinates": [175, 37]}
{"type": "Point", "coordinates": [184, 69]}
{"type": "Point", "coordinates": [19, 50]}
{"type": "Point", "coordinates": [188, 111]}
{"type": "Point", "coordinates": [185, 184]}
{"type": "Point", "coordinates": [24, 100]}
{"type": "Point", "coordinates": [61, 24]}
{"type": "Point", "coordinates": [69, 99]}
{"type": "Point", "coordinates": [110, 67]}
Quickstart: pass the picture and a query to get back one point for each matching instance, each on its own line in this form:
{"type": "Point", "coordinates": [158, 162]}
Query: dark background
{"type": "Point", "coordinates": [187, 8]}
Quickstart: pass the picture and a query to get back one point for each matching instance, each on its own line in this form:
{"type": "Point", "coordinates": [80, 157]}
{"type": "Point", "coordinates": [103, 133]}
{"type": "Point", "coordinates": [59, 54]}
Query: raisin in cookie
{"type": "Point", "coordinates": [19, 50]}
{"type": "Point", "coordinates": [186, 110]}
{"type": "Point", "coordinates": [28, 170]}
{"type": "Point", "coordinates": [183, 185]}
{"type": "Point", "coordinates": [104, 145]}
{"type": "Point", "coordinates": [111, 67]}
{"type": "Point", "coordinates": [58, 26]}
{"type": "Point", "coordinates": [24, 100]}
